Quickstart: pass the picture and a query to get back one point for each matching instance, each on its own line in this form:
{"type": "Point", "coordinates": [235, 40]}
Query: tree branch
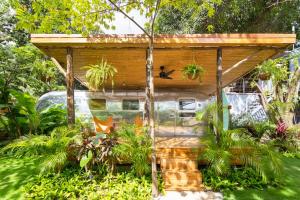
{"type": "Point", "coordinates": [154, 17]}
{"type": "Point", "coordinates": [130, 18]}
{"type": "Point", "coordinates": [107, 10]}
{"type": "Point", "coordinates": [279, 2]}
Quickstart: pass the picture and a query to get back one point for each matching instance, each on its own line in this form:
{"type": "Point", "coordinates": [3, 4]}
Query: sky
{"type": "Point", "coordinates": [125, 26]}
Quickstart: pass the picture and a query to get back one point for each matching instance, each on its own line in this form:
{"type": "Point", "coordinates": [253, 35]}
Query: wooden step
{"type": "Point", "coordinates": [185, 175]}
{"type": "Point", "coordinates": [178, 164]}
{"type": "Point", "coordinates": [184, 188]}
{"type": "Point", "coordinates": [183, 182]}
{"type": "Point", "coordinates": [183, 153]}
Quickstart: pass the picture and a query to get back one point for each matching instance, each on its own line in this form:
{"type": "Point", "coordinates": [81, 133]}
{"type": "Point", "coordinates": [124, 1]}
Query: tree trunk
{"type": "Point", "coordinates": [70, 87]}
{"type": "Point", "coordinates": [150, 115]}
{"type": "Point", "coordinates": [219, 93]}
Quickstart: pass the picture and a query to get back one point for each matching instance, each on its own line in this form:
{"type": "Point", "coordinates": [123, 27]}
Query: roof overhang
{"type": "Point", "coordinates": [164, 41]}
{"type": "Point", "coordinates": [241, 53]}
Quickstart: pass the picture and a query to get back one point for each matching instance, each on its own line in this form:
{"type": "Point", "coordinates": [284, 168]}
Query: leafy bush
{"type": "Point", "coordinates": [134, 148]}
{"type": "Point", "coordinates": [237, 179]}
{"type": "Point", "coordinates": [74, 184]}
{"type": "Point", "coordinates": [96, 150]}
{"type": "Point", "coordinates": [23, 118]}
{"type": "Point", "coordinates": [52, 117]}
{"type": "Point", "coordinates": [53, 149]}
{"type": "Point", "coordinates": [225, 147]}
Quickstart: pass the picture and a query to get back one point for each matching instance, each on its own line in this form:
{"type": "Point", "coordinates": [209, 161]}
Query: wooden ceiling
{"type": "Point", "coordinates": [241, 53]}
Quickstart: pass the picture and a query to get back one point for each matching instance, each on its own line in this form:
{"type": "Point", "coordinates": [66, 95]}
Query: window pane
{"type": "Point", "coordinates": [131, 104]}
{"type": "Point", "coordinates": [187, 104]}
{"type": "Point", "coordinates": [97, 104]}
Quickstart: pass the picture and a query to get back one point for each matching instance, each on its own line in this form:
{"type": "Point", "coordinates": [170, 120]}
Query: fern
{"type": "Point", "coordinates": [98, 75]}
{"type": "Point", "coordinates": [233, 145]}
{"type": "Point", "coordinates": [134, 148]}
{"type": "Point", "coordinates": [51, 149]}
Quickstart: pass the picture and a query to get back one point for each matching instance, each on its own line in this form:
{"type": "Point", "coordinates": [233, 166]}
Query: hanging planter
{"type": "Point", "coordinates": [98, 75]}
{"type": "Point", "coordinates": [193, 72]}
{"type": "Point", "coordinates": [264, 76]}
{"type": "Point", "coordinates": [266, 69]}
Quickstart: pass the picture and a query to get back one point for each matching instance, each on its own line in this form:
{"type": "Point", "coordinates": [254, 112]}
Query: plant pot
{"type": "Point", "coordinates": [264, 76]}
{"type": "Point", "coordinates": [193, 77]}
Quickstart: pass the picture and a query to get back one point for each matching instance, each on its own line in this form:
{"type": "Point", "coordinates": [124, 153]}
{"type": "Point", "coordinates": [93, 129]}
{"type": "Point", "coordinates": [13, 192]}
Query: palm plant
{"type": "Point", "coordinates": [53, 149]}
{"type": "Point", "coordinates": [134, 148]}
{"type": "Point", "coordinates": [98, 75]}
{"type": "Point", "coordinates": [236, 146]}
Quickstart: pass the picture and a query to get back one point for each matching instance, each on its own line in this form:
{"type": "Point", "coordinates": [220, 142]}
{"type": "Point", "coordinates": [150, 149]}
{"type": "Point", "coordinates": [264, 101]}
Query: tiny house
{"type": "Point", "coordinates": [223, 57]}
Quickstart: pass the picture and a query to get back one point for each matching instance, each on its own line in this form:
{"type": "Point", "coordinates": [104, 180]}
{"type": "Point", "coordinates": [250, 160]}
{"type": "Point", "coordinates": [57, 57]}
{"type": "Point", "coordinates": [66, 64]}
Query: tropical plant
{"type": "Point", "coordinates": [98, 75]}
{"type": "Point", "coordinates": [193, 71]}
{"type": "Point", "coordinates": [96, 150]}
{"type": "Point", "coordinates": [240, 178]}
{"type": "Point", "coordinates": [226, 147]}
{"type": "Point", "coordinates": [75, 184]}
{"type": "Point", "coordinates": [22, 117]}
{"type": "Point", "coordinates": [52, 117]}
{"type": "Point", "coordinates": [52, 150]}
{"type": "Point", "coordinates": [285, 83]}
{"type": "Point", "coordinates": [134, 148]}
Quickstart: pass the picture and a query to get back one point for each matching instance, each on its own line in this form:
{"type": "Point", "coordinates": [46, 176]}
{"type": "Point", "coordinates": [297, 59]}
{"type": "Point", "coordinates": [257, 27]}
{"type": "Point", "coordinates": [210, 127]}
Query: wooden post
{"type": "Point", "coordinates": [219, 92]}
{"type": "Point", "coordinates": [149, 114]}
{"type": "Point", "coordinates": [70, 87]}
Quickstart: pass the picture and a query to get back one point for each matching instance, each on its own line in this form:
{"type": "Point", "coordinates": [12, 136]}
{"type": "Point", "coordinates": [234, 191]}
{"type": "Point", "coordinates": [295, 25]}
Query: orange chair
{"type": "Point", "coordinates": [138, 122]}
{"type": "Point", "coordinates": [104, 126]}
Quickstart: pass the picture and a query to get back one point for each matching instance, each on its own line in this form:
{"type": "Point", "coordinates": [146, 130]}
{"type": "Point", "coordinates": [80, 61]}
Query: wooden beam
{"type": "Point", "coordinates": [70, 87]}
{"type": "Point", "coordinates": [236, 65]}
{"type": "Point", "coordinates": [219, 89]}
{"type": "Point", "coordinates": [60, 68]}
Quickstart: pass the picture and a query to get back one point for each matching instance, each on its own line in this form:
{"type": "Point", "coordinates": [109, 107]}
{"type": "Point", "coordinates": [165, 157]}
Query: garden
{"type": "Point", "coordinates": [44, 156]}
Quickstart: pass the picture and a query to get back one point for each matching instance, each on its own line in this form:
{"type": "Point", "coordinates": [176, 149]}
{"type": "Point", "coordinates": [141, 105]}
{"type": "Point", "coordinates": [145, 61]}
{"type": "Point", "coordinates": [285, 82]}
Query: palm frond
{"type": "Point", "coordinates": [54, 162]}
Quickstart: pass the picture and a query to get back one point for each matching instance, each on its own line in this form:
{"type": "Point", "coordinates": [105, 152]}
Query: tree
{"type": "Point", "coordinates": [236, 16]}
{"type": "Point", "coordinates": [8, 31]}
{"type": "Point", "coordinates": [88, 17]}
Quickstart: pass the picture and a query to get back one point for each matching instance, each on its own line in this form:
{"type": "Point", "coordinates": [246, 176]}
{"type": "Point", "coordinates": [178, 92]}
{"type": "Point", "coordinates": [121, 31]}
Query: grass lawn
{"type": "Point", "coordinates": [15, 172]}
{"type": "Point", "coordinates": [290, 190]}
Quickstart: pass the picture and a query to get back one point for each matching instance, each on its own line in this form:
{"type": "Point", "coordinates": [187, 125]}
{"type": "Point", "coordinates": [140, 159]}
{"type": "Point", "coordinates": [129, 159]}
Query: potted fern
{"type": "Point", "coordinates": [98, 75]}
{"type": "Point", "coordinates": [266, 69]}
{"type": "Point", "coordinates": [193, 72]}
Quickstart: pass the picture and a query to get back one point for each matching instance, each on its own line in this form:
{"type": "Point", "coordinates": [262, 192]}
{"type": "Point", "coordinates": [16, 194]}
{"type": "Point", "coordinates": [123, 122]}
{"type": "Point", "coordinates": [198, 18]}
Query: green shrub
{"type": "Point", "coordinates": [75, 184]}
{"type": "Point", "coordinates": [52, 117]}
{"type": "Point", "coordinates": [52, 150]}
{"type": "Point", "coordinates": [134, 148]}
{"type": "Point", "coordinates": [237, 179]}
{"type": "Point", "coordinates": [222, 147]}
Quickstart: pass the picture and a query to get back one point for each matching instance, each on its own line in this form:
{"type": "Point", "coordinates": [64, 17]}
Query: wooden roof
{"type": "Point", "coordinates": [241, 53]}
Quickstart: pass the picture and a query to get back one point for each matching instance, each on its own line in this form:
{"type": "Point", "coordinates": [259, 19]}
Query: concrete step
{"type": "Point", "coordinates": [178, 164]}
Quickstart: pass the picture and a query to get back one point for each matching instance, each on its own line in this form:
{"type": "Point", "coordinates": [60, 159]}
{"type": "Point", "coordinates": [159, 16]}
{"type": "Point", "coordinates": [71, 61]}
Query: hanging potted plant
{"type": "Point", "coordinates": [98, 75]}
{"type": "Point", "coordinates": [265, 70]}
{"type": "Point", "coordinates": [193, 72]}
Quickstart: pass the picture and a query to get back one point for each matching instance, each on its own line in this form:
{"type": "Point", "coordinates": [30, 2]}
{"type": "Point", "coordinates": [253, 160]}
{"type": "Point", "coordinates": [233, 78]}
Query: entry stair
{"type": "Point", "coordinates": [179, 168]}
